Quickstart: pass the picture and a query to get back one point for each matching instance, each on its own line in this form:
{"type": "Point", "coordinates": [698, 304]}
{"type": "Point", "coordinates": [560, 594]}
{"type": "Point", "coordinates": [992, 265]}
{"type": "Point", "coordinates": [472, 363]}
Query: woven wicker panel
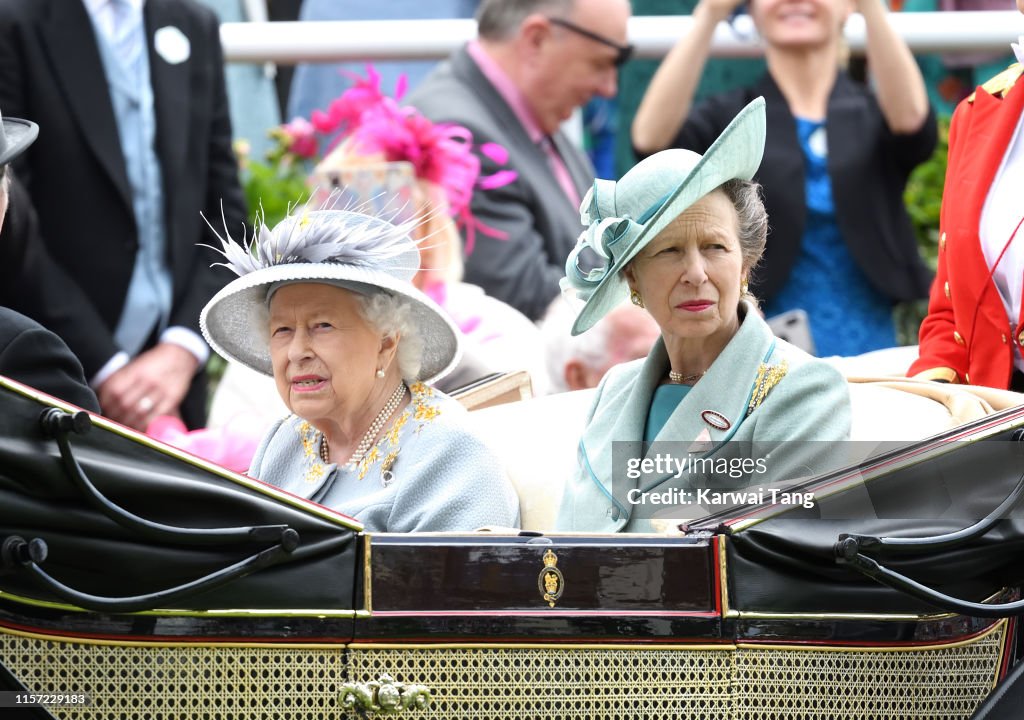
{"type": "Point", "coordinates": [939, 684]}
{"type": "Point", "coordinates": [225, 683]}
{"type": "Point", "coordinates": [177, 683]}
{"type": "Point", "coordinates": [552, 684]}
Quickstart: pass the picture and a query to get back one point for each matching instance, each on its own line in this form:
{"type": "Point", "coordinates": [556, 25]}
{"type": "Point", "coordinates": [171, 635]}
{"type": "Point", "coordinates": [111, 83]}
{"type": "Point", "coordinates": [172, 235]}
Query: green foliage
{"type": "Point", "coordinates": [275, 188]}
{"type": "Point", "coordinates": [923, 199]}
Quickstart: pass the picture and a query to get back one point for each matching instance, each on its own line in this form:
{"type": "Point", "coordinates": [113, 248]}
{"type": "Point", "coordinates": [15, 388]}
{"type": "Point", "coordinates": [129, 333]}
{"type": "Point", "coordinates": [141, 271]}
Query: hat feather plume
{"type": "Point", "coordinates": [319, 236]}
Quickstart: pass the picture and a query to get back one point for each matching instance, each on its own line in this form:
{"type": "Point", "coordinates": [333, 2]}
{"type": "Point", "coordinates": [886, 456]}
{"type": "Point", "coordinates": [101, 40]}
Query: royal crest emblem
{"type": "Point", "coordinates": [550, 582]}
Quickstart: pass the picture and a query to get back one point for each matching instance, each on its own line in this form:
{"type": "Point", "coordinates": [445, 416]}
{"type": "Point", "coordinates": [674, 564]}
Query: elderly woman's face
{"type": "Point", "coordinates": [324, 354]}
{"type": "Point", "coordinates": [689, 276]}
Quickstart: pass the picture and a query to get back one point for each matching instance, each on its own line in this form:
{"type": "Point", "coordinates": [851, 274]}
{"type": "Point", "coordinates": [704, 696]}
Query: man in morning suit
{"type": "Point", "coordinates": [136, 144]}
{"type": "Point", "coordinates": [533, 64]}
{"type": "Point", "coordinates": [29, 353]}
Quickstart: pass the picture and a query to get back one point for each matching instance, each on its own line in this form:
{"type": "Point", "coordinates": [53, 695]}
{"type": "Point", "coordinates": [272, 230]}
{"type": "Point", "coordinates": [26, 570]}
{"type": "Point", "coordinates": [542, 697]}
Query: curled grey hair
{"type": "Point", "coordinates": [753, 221]}
{"type": "Point", "coordinates": [500, 19]}
{"type": "Point", "coordinates": [391, 315]}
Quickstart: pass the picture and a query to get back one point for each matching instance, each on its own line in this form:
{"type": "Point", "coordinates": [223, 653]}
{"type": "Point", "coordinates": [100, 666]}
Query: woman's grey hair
{"type": "Point", "coordinates": [500, 19]}
{"type": "Point", "coordinates": [753, 222]}
{"type": "Point", "coordinates": [391, 315]}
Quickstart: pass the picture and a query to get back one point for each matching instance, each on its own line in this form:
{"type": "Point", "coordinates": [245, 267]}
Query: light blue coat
{"type": "Point", "coordinates": [442, 475]}
{"type": "Point", "coordinates": [809, 401]}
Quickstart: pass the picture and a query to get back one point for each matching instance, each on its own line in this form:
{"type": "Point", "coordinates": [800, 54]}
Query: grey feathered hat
{"type": "Point", "coordinates": [358, 252]}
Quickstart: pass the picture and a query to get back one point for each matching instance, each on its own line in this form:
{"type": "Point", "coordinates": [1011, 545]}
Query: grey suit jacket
{"type": "Point", "coordinates": [807, 405]}
{"type": "Point", "coordinates": [535, 217]}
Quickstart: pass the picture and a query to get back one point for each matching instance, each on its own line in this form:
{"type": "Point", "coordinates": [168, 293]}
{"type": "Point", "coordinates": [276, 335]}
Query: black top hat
{"type": "Point", "coordinates": [15, 135]}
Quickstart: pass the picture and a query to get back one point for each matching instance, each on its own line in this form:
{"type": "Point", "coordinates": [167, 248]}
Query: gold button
{"type": "Point", "coordinates": [942, 241]}
{"type": "Point", "coordinates": [1004, 338]}
{"type": "Point", "coordinates": [960, 339]}
{"type": "Point", "coordinates": [967, 378]}
{"type": "Point", "coordinates": [1020, 338]}
{"type": "Point", "coordinates": [945, 288]}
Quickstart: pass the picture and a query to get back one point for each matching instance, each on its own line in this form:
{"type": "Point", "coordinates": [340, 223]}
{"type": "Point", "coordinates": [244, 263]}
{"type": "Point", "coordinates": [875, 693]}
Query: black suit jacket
{"type": "Point", "coordinates": [51, 72]}
{"type": "Point", "coordinates": [867, 164]}
{"type": "Point", "coordinates": [34, 356]}
{"type": "Point", "coordinates": [538, 222]}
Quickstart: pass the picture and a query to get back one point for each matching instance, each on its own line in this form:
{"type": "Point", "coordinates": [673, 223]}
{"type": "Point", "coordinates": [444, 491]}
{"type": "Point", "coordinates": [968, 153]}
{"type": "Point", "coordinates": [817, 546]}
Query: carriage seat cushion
{"type": "Point", "coordinates": [537, 438]}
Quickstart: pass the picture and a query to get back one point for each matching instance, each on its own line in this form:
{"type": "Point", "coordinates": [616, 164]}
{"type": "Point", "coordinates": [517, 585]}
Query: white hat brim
{"type": "Point", "coordinates": [234, 322]}
{"type": "Point", "coordinates": [19, 134]}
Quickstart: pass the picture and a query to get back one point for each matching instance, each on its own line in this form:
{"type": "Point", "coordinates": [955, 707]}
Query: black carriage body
{"type": "Point", "coordinates": [744, 615]}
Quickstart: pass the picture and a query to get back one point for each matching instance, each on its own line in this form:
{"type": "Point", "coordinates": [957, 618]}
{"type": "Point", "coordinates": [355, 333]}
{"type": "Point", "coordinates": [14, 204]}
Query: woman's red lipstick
{"type": "Point", "coordinates": [695, 305]}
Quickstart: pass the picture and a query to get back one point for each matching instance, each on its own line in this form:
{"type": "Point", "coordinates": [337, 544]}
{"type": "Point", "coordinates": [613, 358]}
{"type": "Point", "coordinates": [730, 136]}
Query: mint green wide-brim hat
{"type": "Point", "coordinates": [622, 217]}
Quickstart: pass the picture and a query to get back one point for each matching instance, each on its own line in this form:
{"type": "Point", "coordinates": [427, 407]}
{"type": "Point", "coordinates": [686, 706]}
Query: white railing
{"type": "Point", "coordinates": [292, 42]}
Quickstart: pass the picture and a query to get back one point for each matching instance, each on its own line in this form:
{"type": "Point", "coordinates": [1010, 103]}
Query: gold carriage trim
{"type": "Point", "coordinates": [222, 612]}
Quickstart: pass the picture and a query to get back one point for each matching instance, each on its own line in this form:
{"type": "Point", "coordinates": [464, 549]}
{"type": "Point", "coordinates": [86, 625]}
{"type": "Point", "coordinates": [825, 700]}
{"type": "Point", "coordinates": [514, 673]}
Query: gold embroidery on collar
{"type": "Point", "coordinates": [422, 410]}
{"type": "Point", "coordinates": [310, 439]}
{"type": "Point", "coordinates": [1001, 84]}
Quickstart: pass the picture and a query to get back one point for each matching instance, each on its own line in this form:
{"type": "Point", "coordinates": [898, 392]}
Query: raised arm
{"type": "Point", "coordinates": [897, 78]}
{"type": "Point", "coordinates": [669, 96]}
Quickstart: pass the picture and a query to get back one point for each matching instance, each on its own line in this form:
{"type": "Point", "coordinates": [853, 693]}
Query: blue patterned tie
{"type": "Point", "coordinates": [127, 39]}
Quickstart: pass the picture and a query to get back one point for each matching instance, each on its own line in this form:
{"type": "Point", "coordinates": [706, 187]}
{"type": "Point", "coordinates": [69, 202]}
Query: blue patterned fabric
{"type": "Point", "coordinates": [148, 302]}
{"type": "Point", "coordinates": [847, 315]}
{"type": "Point", "coordinates": [663, 404]}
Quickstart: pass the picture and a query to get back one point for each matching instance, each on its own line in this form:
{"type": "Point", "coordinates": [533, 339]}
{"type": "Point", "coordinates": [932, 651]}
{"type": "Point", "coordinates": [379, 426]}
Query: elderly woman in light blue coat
{"type": "Point", "coordinates": [325, 304]}
{"type": "Point", "coordinates": [679, 235]}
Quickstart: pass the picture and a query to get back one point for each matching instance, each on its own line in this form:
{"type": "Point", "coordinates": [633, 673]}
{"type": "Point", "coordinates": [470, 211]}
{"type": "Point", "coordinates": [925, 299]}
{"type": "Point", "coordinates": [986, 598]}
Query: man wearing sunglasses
{"type": "Point", "coordinates": [534, 62]}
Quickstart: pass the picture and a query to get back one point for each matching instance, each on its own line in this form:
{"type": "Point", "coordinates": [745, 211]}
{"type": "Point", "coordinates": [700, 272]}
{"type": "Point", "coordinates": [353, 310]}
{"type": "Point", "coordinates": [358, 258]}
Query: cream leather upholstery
{"type": "Point", "coordinates": [537, 438]}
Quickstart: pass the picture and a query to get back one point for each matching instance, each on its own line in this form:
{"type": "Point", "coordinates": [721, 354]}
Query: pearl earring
{"type": "Point", "coordinates": [380, 372]}
{"type": "Point", "coordinates": [635, 298]}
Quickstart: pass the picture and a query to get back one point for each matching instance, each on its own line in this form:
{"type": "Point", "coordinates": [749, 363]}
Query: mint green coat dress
{"type": "Point", "coordinates": [762, 397]}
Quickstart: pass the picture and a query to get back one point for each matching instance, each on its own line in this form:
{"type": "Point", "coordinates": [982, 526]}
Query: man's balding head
{"type": "Point", "coordinates": [559, 53]}
{"type": "Point", "coordinates": [577, 362]}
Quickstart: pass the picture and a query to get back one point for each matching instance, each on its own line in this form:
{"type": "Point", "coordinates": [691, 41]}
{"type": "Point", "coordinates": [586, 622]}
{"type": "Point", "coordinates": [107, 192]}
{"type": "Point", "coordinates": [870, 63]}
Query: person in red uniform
{"type": "Point", "coordinates": [974, 331]}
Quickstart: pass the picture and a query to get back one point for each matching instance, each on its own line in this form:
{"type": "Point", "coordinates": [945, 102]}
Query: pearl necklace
{"type": "Point", "coordinates": [371, 434]}
{"type": "Point", "coordinates": [680, 379]}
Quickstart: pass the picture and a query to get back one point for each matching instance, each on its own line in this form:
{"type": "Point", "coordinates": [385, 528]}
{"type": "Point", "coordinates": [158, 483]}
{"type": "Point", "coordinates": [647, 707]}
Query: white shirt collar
{"type": "Point", "coordinates": [1018, 49]}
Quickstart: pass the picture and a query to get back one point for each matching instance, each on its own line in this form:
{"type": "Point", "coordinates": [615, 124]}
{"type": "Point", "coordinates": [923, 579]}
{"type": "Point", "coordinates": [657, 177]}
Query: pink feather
{"type": "Point", "coordinates": [442, 153]}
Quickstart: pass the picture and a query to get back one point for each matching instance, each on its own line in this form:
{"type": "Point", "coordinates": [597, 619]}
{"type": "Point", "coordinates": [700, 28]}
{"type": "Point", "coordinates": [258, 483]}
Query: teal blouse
{"type": "Point", "coordinates": [663, 404]}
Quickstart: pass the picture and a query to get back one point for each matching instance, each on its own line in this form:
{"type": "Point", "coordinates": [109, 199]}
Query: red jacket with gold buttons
{"type": "Point", "coordinates": [967, 336]}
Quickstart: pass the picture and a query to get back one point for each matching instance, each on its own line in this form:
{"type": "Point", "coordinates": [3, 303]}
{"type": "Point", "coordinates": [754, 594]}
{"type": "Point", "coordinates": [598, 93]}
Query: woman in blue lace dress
{"type": "Point", "coordinates": [838, 154]}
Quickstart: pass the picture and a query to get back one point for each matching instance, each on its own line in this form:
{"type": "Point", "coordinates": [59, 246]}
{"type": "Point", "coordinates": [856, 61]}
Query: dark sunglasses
{"type": "Point", "coordinates": [625, 51]}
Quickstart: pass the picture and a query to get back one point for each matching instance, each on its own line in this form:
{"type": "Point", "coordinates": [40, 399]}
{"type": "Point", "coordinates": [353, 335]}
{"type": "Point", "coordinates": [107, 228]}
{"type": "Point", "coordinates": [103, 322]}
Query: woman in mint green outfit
{"type": "Point", "coordinates": [679, 235]}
